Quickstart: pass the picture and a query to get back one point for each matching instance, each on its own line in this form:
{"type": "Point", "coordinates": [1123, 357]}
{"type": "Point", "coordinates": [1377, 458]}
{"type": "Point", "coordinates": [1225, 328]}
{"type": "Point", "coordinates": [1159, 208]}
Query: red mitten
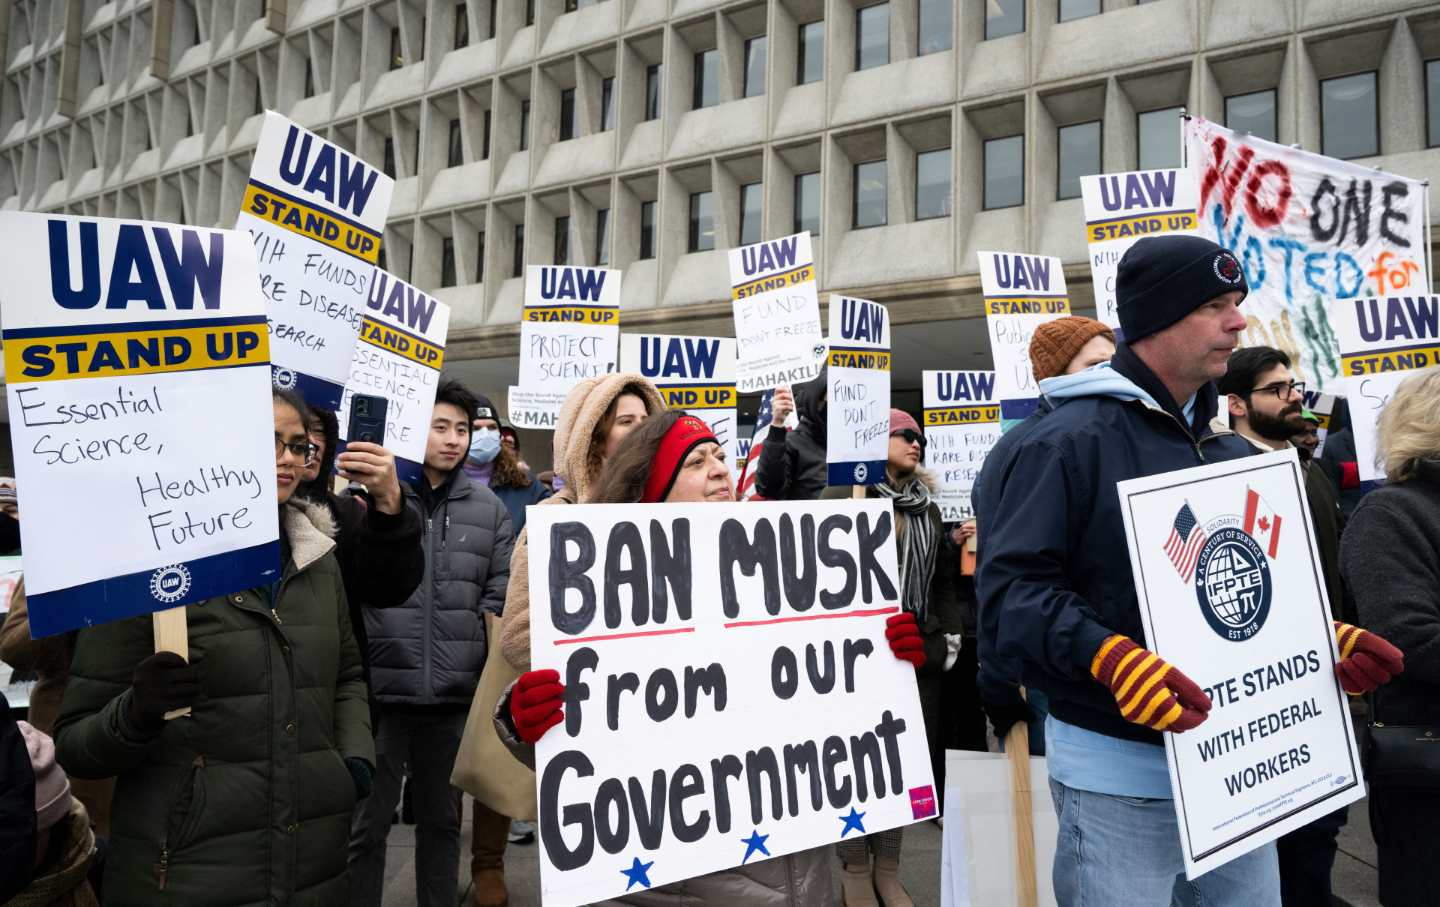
{"type": "Point", "coordinates": [1366, 660]}
{"type": "Point", "coordinates": [535, 704]}
{"type": "Point", "coordinates": [1149, 690]}
{"type": "Point", "coordinates": [904, 636]}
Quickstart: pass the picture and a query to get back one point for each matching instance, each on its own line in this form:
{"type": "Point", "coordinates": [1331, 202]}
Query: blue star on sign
{"type": "Point", "coordinates": [853, 822]}
{"type": "Point", "coordinates": [638, 872]}
{"type": "Point", "coordinates": [755, 842]}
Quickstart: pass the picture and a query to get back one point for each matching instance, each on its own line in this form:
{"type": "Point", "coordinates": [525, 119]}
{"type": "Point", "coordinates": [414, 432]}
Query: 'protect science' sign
{"type": "Point", "coordinates": [715, 716]}
{"type": "Point", "coordinates": [138, 377]}
{"type": "Point", "coordinates": [569, 331]}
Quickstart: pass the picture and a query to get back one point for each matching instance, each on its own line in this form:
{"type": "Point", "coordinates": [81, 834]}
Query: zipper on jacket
{"type": "Point", "coordinates": [162, 868]}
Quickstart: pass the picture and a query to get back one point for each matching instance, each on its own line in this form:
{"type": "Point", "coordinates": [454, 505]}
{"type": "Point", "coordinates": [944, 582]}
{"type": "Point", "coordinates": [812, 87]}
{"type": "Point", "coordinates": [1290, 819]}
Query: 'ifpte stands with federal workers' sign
{"type": "Point", "coordinates": [962, 425]}
{"type": "Point", "coordinates": [316, 214]}
{"type": "Point", "coordinates": [138, 379]}
{"type": "Point", "coordinates": [716, 716]}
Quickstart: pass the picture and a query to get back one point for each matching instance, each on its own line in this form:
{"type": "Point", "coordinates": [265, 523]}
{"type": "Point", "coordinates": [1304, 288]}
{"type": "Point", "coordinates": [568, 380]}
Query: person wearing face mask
{"type": "Point", "coordinates": [247, 800]}
{"type": "Point", "coordinates": [675, 458]}
{"type": "Point", "coordinates": [495, 464]}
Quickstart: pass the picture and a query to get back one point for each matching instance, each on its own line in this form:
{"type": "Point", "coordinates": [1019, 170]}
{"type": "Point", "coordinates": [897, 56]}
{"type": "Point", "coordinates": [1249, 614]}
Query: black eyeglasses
{"type": "Point", "coordinates": [911, 436]}
{"type": "Point", "coordinates": [302, 449]}
{"type": "Point", "coordinates": [1282, 389]}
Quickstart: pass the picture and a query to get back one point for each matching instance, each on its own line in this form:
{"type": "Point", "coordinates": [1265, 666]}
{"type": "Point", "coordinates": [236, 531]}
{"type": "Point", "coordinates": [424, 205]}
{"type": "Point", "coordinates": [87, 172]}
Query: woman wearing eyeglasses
{"type": "Point", "coordinates": [248, 799]}
{"type": "Point", "coordinates": [928, 584]}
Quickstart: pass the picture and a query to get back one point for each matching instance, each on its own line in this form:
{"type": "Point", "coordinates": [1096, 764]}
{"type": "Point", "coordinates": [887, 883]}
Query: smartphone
{"type": "Point", "coordinates": [367, 419]}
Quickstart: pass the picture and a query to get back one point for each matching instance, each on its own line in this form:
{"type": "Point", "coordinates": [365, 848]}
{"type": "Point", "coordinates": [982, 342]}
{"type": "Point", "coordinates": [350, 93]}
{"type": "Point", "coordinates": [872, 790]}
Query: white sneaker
{"type": "Point", "coordinates": [521, 832]}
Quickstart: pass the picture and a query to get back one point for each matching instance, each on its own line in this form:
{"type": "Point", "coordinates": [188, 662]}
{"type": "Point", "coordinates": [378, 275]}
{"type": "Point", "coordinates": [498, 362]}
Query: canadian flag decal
{"type": "Point", "coordinates": [1261, 523]}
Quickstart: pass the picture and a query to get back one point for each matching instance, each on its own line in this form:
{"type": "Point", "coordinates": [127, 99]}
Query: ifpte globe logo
{"type": "Point", "coordinates": [1232, 583]}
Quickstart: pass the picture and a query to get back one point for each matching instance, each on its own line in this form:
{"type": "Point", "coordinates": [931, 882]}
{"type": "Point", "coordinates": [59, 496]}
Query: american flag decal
{"type": "Point", "coordinates": [1185, 541]}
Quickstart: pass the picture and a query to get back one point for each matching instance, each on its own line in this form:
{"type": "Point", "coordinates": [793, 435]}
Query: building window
{"type": "Point", "coordinates": [456, 154]}
{"type": "Point", "coordinates": [571, 6]}
{"type": "Point", "coordinates": [1350, 116]}
{"type": "Point", "coordinates": [524, 125]}
{"type": "Point", "coordinates": [811, 65]}
{"type": "Point", "coordinates": [447, 262]}
{"type": "Point", "coordinates": [707, 79]}
{"type": "Point", "coordinates": [936, 17]}
{"type": "Point", "coordinates": [1004, 17]}
{"type": "Point", "coordinates": [1004, 172]}
{"type": "Point", "coordinates": [518, 263]}
{"type": "Point", "coordinates": [602, 236]}
{"type": "Point", "coordinates": [562, 240]}
{"type": "Point", "coordinates": [387, 163]}
{"type": "Point", "coordinates": [752, 206]}
{"type": "Point", "coordinates": [652, 91]}
{"type": "Point", "coordinates": [189, 120]}
{"type": "Point", "coordinates": [480, 257]}
{"type": "Point", "coordinates": [807, 203]}
{"type": "Point", "coordinates": [397, 59]}
{"type": "Point", "coordinates": [755, 49]}
{"type": "Point", "coordinates": [868, 203]}
{"type": "Point", "coordinates": [702, 222]}
{"type": "Point", "coordinates": [1432, 103]}
{"type": "Point", "coordinates": [529, 12]}
{"type": "Point", "coordinates": [647, 230]}
{"type": "Point", "coordinates": [1253, 113]}
{"type": "Point", "coordinates": [1079, 156]}
{"type": "Point", "coordinates": [932, 184]}
{"type": "Point", "coordinates": [872, 36]}
{"type": "Point", "coordinates": [567, 114]}
{"type": "Point", "coordinates": [493, 13]}
{"type": "Point", "coordinates": [462, 26]}
{"type": "Point", "coordinates": [1078, 9]}
{"type": "Point", "coordinates": [1158, 138]}
{"type": "Point", "coordinates": [607, 103]}
{"type": "Point", "coordinates": [485, 139]}
{"type": "Point", "coordinates": [309, 78]}
{"type": "Point", "coordinates": [259, 107]}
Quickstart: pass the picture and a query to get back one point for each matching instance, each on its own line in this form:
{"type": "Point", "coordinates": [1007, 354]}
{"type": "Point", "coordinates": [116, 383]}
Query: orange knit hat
{"type": "Point", "coordinates": [1056, 342]}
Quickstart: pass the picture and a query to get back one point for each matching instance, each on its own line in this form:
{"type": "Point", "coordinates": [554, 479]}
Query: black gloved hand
{"type": "Point", "coordinates": [161, 683]}
{"type": "Point", "coordinates": [362, 774]}
{"type": "Point", "coordinates": [1006, 715]}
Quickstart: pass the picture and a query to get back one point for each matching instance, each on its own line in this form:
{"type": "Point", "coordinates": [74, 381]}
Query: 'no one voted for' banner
{"type": "Point", "coordinates": [138, 373]}
{"type": "Point", "coordinates": [715, 716]}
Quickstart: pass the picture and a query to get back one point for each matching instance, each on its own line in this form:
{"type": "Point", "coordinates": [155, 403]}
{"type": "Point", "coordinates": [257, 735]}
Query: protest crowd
{"type": "Point", "coordinates": [394, 662]}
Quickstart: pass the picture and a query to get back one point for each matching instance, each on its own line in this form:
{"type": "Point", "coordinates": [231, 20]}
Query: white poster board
{"type": "Point", "coordinates": [1231, 594]}
{"type": "Point", "coordinates": [399, 357]}
{"type": "Point", "coordinates": [751, 718]}
{"type": "Point", "coordinates": [694, 374]}
{"type": "Point", "coordinates": [977, 849]}
{"type": "Point", "coordinates": [1383, 341]}
{"type": "Point", "coordinates": [569, 331]}
{"type": "Point", "coordinates": [138, 379]}
{"type": "Point", "coordinates": [962, 425]}
{"type": "Point", "coordinates": [1120, 208]}
{"type": "Point", "coordinates": [777, 314]}
{"type": "Point", "coordinates": [1308, 230]}
{"type": "Point", "coordinates": [1021, 293]}
{"type": "Point", "coordinates": [857, 433]}
{"type": "Point", "coordinates": [316, 213]}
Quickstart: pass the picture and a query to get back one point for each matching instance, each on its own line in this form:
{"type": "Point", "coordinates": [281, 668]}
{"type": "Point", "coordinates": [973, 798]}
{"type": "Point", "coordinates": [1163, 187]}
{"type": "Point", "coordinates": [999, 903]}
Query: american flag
{"type": "Point", "coordinates": [1186, 539]}
{"type": "Point", "coordinates": [745, 488]}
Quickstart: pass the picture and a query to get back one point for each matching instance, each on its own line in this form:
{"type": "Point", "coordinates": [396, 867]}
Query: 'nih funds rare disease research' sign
{"type": "Point", "coordinates": [1230, 593]}
{"type": "Point", "coordinates": [138, 380]}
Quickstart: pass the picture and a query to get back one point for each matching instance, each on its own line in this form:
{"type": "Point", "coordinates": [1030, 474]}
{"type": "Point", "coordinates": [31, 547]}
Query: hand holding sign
{"type": "Point", "coordinates": [1367, 661]}
{"type": "Point", "coordinates": [535, 704]}
{"type": "Point", "coordinates": [161, 684]}
{"type": "Point", "coordinates": [782, 404]}
{"type": "Point", "coordinates": [1149, 690]}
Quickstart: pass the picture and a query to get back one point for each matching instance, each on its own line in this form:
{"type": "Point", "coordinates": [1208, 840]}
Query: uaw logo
{"type": "Point", "coordinates": [170, 584]}
{"type": "Point", "coordinates": [860, 473]}
{"type": "Point", "coordinates": [1228, 567]}
{"type": "Point", "coordinates": [283, 378]}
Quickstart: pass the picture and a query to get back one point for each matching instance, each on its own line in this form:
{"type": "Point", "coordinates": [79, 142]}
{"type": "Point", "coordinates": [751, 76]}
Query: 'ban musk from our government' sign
{"type": "Point", "coordinates": [729, 693]}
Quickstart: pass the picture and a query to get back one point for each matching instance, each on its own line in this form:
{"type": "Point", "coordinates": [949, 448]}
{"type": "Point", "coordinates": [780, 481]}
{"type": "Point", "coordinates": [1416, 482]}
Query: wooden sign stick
{"type": "Point", "coordinates": [172, 634]}
{"type": "Point", "coordinates": [1017, 750]}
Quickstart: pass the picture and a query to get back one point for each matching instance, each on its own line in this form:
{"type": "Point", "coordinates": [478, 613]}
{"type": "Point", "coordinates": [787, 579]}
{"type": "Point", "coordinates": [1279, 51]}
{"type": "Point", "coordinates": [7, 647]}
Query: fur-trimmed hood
{"type": "Point", "coordinates": [583, 409]}
{"type": "Point", "coordinates": [311, 529]}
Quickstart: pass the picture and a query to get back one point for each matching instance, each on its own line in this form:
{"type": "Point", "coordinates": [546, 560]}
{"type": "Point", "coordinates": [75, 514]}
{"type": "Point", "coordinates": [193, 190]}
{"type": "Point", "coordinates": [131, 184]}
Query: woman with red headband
{"type": "Point", "coordinates": [676, 458]}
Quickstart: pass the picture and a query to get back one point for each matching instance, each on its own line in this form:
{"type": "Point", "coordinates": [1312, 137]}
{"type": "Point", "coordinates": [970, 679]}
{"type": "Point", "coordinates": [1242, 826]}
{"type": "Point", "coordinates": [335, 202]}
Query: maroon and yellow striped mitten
{"type": "Point", "coordinates": [1366, 660]}
{"type": "Point", "coordinates": [1149, 690]}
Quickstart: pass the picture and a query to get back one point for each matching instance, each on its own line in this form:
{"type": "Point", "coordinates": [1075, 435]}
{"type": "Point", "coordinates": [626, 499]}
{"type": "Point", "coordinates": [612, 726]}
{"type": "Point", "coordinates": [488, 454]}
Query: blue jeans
{"type": "Point", "coordinates": [1126, 850]}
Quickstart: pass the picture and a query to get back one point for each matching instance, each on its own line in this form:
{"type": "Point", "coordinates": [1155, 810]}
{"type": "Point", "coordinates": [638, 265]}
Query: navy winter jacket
{"type": "Point", "coordinates": [1054, 569]}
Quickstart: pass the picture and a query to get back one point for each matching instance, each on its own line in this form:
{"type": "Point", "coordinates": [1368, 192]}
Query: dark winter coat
{"type": "Point", "coordinates": [792, 463]}
{"type": "Point", "coordinates": [517, 499]}
{"type": "Point", "coordinates": [430, 650]}
{"type": "Point", "coordinates": [1390, 557]}
{"type": "Point", "coordinates": [1052, 570]}
{"type": "Point", "coordinates": [248, 800]}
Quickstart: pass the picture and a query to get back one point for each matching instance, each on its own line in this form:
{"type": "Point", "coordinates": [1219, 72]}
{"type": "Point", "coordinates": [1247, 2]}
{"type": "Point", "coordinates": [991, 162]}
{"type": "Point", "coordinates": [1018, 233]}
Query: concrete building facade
{"type": "Point", "coordinates": [653, 135]}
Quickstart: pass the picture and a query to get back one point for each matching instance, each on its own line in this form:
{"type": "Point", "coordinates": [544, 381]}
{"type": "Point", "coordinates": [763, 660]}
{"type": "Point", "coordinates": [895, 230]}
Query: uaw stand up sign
{"type": "Point", "coordinates": [1230, 593]}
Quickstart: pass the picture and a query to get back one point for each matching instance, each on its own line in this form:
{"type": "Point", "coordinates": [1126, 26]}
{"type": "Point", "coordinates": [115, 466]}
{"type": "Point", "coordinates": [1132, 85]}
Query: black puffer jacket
{"type": "Point", "coordinates": [430, 650]}
{"type": "Point", "coordinates": [792, 463]}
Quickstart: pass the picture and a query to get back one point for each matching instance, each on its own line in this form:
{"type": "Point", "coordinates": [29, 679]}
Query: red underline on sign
{"type": "Point", "coordinates": [608, 636]}
{"type": "Point", "coordinates": [786, 620]}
